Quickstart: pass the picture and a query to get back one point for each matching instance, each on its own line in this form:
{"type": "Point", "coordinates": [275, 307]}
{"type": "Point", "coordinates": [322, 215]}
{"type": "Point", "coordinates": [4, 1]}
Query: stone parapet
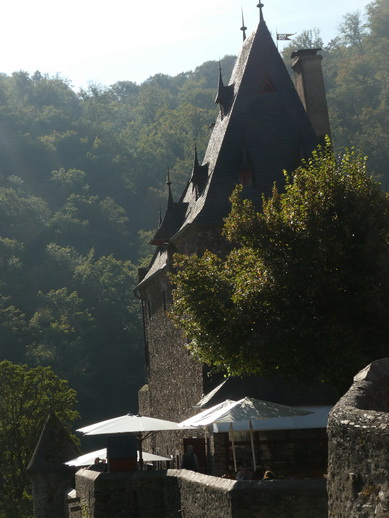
{"type": "Point", "coordinates": [186, 494]}
{"type": "Point", "coordinates": [358, 433]}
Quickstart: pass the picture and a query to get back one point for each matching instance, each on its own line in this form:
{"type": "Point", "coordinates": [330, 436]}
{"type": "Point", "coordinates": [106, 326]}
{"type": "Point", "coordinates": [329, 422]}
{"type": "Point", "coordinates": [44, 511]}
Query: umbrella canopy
{"type": "Point", "coordinates": [198, 418]}
{"type": "Point", "coordinates": [88, 458]}
{"type": "Point", "coordinates": [239, 413]}
{"type": "Point", "coordinates": [243, 410]}
{"type": "Point", "coordinates": [129, 423]}
{"type": "Point", "coordinates": [142, 426]}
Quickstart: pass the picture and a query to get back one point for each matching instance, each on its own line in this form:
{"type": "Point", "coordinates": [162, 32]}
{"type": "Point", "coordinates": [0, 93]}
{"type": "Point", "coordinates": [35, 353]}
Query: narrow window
{"type": "Point", "coordinates": [268, 88]}
{"type": "Point", "coordinates": [246, 177]}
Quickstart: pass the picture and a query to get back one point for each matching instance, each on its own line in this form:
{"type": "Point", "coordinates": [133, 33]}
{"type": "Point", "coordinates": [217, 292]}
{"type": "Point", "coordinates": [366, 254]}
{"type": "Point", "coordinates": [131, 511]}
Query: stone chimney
{"type": "Point", "coordinates": [311, 90]}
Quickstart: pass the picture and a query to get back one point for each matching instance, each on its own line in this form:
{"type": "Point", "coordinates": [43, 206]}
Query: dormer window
{"type": "Point", "coordinates": [267, 88]}
{"type": "Point", "coordinates": [246, 177]}
{"type": "Point", "coordinates": [245, 169]}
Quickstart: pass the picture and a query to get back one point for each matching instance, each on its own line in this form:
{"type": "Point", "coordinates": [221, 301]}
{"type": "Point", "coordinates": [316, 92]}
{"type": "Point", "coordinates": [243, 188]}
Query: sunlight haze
{"type": "Point", "coordinates": [88, 42]}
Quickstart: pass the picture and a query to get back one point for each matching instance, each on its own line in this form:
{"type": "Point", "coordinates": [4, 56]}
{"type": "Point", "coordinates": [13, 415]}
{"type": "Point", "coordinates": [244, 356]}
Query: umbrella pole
{"type": "Point", "coordinates": [140, 451]}
{"type": "Point", "coordinates": [252, 445]}
{"type": "Point", "coordinates": [233, 447]}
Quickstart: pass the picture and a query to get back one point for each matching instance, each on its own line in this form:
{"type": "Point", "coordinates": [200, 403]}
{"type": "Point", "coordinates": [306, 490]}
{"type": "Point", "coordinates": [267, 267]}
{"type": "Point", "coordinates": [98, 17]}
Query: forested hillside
{"type": "Point", "coordinates": [356, 71]}
{"type": "Point", "coordinates": [82, 181]}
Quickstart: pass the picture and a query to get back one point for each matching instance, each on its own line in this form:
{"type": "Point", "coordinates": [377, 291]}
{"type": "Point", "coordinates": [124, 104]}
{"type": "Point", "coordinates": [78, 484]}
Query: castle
{"type": "Point", "coordinates": [265, 125]}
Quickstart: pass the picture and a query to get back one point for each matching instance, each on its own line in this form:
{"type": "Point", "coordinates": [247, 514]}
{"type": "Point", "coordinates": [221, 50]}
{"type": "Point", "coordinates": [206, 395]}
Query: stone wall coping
{"type": "Point", "coordinates": [228, 485]}
{"type": "Point", "coordinates": [88, 473]}
{"type": "Point", "coordinates": [353, 411]}
{"type": "Point", "coordinates": [224, 484]}
{"type": "Point", "coordinates": [376, 371]}
{"type": "Point", "coordinates": [202, 479]}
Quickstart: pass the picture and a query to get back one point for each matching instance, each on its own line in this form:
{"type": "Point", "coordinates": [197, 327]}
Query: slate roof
{"type": "Point", "coordinates": [174, 216]}
{"type": "Point", "coordinates": [262, 122]}
{"type": "Point", "coordinates": [158, 263]}
{"type": "Point", "coordinates": [55, 446]}
{"type": "Point", "coordinates": [262, 129]}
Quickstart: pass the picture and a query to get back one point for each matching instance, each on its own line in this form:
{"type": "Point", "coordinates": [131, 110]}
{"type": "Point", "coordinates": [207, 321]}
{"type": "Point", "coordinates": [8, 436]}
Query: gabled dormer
{"type": "Point", "coordinates": [199, 175]}
{"type": "Point", "coordinates": [224, 97]}
{"type": "Point", "coordinates": [171, 221]}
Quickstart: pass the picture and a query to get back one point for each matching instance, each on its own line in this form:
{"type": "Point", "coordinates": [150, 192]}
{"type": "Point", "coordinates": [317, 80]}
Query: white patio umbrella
{"type": "Point", "coordinates": [238, 413]}
{"type": "Point", "coordinates": [205, 413]}
{"type": "Point", "coordinates": [142, 426]}
{"type": "Point", "coordinates": [88, 458]}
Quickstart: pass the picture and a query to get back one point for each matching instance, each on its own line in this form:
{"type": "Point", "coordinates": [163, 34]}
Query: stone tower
{"type": "Point", "coordinates": [262, 128]}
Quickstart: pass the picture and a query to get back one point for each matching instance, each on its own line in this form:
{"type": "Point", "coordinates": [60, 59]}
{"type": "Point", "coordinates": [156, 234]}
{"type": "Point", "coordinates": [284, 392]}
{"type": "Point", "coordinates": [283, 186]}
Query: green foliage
{"type": "Point", "coordinates": [28, 397]}
{"type": "Point", "coordinates": [305, 289]}
{"type": "Point", "coordinates": [356, 68]}
{"type": "Point", "coordinates": [59, 330]}
{"type": "Point", "coordinates": [82, 180]}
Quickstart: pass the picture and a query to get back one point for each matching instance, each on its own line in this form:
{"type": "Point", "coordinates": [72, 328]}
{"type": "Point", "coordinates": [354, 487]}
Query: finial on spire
{"type": "Point", "coordinates": [196, 160]}
{"type": "Point", "coordinates": [260, 5]}
{"type": "Point", "coordinates": [243, 28]}
{"type": "Point", "coordinates": [170, 196]}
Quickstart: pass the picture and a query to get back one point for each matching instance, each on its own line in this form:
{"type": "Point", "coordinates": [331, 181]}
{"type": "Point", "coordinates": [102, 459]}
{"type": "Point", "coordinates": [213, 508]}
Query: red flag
{"type": "Point", "coordinates": [284, 36]}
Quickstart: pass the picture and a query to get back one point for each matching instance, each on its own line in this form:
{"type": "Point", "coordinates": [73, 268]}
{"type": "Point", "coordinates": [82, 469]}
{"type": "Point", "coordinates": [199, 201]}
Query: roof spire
{"type": "Point", "coordinates": [221, 84]}
{"type": "Point", "coordinates": [260, 5]}
{"type": "Point", "coordinates": [243, 28]}
{"type": "Point", "coordinates": [170, 196]}
{"type": "Point", "coordinates": [196, 160]}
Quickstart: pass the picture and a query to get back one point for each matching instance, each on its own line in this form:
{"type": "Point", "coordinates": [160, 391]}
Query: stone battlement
{"type": "Point", "coordinates": [358, 434]}
{"type": "Point", "coordinates": [182, 493]}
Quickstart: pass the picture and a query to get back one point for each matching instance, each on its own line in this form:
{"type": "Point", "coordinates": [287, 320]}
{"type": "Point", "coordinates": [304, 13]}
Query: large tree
{"type": "Point", "coordinates": [27, 397]}
{"type": "Point", "coordinates": [305, 288]}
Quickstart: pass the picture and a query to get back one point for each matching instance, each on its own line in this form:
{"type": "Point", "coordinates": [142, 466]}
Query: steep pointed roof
{"type": "Point", "coordinates": [171, 221]}
{"type": "Point", "coordinates": [261, 121]}
{"type": "Point", "coordinates": [55, 446]}
{"type": "Point", "coordinates": [262, 129]}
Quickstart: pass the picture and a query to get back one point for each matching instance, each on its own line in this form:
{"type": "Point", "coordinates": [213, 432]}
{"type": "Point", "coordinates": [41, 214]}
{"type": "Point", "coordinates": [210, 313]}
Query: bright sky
{"type": "Point", "coordinates": [131, 40]}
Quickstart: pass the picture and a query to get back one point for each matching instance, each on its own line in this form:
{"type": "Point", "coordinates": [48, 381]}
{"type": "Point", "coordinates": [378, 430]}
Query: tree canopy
{"type": "Point", "coordinates": [304, 290]}
{"type": "Point", "coordinates": [28, 397]}
{"type": "Point", "coordinates": [82, 180]}
{"type": "Point", "coordinates": [356, 68]}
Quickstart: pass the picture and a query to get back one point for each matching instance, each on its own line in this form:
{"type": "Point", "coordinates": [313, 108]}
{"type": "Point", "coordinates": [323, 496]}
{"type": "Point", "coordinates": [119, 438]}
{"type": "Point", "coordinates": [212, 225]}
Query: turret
{"type": "Point", "coordinates": [51, 478]}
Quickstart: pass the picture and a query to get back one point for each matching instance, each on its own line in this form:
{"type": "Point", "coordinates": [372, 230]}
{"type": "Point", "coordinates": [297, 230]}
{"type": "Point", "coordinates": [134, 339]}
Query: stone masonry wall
{"type": "Point", "coordinates": [358, 433]}
{"type": "Point", "coordinates": [185, 494]}
{"type": "Point", "coordinates": [203, 496]}
{"type": "Point", "coordinates": [140, 494]}
{"type": "Point", "coordinates": [175, 379]}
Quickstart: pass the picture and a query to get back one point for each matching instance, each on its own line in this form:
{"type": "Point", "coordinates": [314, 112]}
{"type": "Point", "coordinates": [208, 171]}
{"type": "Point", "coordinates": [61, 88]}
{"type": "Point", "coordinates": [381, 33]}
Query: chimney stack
{"type": "Point", "coordinates": [311, 90]}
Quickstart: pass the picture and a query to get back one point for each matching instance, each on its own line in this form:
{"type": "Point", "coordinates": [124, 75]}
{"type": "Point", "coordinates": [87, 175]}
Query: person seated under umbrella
{"type": "Point", "coordinates": [189, 459]}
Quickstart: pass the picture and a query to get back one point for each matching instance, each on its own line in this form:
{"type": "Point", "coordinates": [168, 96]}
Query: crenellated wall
{"type": "Point", "coordinates": [358, 434]}
{"type": "Point", "coordinates": [185, 494]}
